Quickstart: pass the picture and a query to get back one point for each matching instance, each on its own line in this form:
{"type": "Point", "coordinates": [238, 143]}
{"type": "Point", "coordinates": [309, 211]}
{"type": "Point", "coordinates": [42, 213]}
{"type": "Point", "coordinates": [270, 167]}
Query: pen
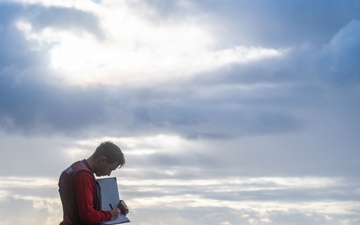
{"type": "Point", "coordinates": [111, 206]}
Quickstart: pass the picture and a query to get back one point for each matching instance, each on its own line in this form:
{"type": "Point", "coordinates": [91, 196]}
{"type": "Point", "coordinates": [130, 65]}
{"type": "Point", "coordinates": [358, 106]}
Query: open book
{"type": "Point", "coordinates": [110, 198]}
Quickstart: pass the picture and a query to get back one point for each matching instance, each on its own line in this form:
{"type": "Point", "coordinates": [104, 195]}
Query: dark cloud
{"type": "Point", "coordinates": [42, 17]}
{"type": "Point", "coordinates": [17, 51]}
{"type": "Point", "coordinates": [196, 119]}
{"type": "Point", "coordinates": [31, 107]}
{"type": "Point", "coordinates": [59, 18]}
{"type": "Point", "coordinates": [280, 23]}
{"type": "Point", "coordinates": [31, 104]}
{"type": "Point", "coordinates": [341, 55]}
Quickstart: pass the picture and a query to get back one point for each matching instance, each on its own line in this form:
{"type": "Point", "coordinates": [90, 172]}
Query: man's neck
{"type": "Point", "coordinates": [91, 163]}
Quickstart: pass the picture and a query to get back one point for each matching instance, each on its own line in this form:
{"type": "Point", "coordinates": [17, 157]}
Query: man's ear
{"type": "Point", "coordinates": [102, 159]}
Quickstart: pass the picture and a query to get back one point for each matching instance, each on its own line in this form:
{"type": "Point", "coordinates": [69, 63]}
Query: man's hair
{"type": "Point", "coordinates": [111, 151]}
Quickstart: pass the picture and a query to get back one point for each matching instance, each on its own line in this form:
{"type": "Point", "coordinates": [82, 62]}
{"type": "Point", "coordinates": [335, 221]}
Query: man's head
{"type": "Point", "coordinates": [106, 158]}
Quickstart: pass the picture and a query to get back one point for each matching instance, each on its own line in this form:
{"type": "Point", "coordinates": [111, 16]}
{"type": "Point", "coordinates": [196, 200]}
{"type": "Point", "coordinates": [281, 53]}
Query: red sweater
{"type": "Point", "coordinates": [77, 187]}
{"type": "Point", "coordinates": [84, 186]}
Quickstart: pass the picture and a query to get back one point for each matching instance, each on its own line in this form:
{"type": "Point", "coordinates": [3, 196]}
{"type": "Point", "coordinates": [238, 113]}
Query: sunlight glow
{"type": "Point", "coordinates": [137, 51]}
{"type": "Point", "coordinates": [142, 145]}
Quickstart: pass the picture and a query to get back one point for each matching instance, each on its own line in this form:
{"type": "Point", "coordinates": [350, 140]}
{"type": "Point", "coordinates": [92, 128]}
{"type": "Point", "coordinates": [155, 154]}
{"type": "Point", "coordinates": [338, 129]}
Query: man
{"type": "Point", "coordinates": [79, 192]}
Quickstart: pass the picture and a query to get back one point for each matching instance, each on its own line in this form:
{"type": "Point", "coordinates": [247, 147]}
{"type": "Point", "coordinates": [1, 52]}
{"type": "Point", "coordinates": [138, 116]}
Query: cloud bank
{"type": "Point", "coordinates": [241, 112]}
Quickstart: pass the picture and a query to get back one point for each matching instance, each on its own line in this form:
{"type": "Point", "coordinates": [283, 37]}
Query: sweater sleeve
{"type": "Point", "coordinates": [84, 195]}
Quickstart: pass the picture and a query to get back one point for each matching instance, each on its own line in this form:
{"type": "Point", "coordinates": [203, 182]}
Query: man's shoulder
{"type": "Point", "coordinates": [81, 165]}
{"type": "Point", "coordinates": [77, 167]}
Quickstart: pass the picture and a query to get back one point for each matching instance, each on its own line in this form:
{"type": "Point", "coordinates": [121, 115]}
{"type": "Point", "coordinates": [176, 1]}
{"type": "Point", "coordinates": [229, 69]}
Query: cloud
{"type": "Point", "coordinates": [239, 112]}
{"type": "Point", "coordinates": [37, 108]}
{"type": "Point", "coordinates": [52, 18]}
{"type": "Point", "coordinates": [278, 24]}
{"type": "Point", "coordinates": [49, 103]}
{"type": "Point", "coordinates": [246, 199]}
{"type": "Point", "coordinates": [341, 54]}
{"type": "Point", "coordinates": [126, 53]}
{"type": "Point", "coordinates": [18, 49]}
{"type": "Point", "coordinates": [243, 199]}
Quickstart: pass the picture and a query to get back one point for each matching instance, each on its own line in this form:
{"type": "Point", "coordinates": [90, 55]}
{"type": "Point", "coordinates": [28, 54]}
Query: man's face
{"type": "Point", "coordinates": [106, 168]}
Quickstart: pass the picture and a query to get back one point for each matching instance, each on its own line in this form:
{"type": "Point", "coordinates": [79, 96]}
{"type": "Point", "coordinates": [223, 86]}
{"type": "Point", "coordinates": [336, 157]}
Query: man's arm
{"type": "Point", "coordinates": [84, 193]}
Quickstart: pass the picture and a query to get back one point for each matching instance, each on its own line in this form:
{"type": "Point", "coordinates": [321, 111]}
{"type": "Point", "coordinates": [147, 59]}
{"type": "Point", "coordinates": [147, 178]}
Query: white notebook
{"type": "Point", "coordinates": [110, 198]}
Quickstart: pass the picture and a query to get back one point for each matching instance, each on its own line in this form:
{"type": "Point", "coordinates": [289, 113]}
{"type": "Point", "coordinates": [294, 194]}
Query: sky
{"type": "Point", "coordinates": [228, 112]}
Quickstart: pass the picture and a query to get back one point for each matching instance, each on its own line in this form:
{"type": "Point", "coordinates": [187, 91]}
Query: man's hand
{"type": "Point", "coordinates": [114, 213]}
{"type": "Point", "coordinates": [123, 207]}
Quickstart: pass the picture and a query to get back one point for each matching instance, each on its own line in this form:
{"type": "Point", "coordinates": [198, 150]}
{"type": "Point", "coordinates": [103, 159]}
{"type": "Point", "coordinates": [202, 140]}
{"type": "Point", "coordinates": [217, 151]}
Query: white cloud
{"type": "Point", "coordinates": [87, 5]}
{"type": "Point", "coordinates": [136, 50]}
{"type": "Point", "coordinates": [26, 182]}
